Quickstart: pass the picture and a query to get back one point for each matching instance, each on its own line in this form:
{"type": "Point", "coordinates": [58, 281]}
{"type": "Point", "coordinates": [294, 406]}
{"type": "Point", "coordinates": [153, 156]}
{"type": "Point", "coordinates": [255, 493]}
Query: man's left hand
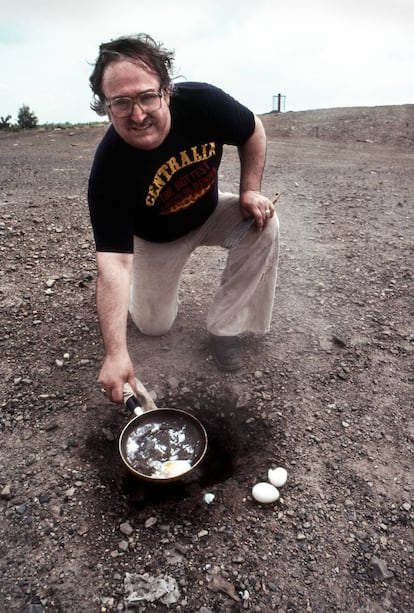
{"type": "Point", "coordinates": [254, 204]}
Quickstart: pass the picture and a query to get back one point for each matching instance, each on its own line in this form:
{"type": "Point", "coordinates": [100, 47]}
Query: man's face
{"type": "Point", "coordinates": [140, 129]}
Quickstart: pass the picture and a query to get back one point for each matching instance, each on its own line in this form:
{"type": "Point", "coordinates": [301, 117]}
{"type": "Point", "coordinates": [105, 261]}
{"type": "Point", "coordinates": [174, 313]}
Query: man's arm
{"type": "Point", "coordinates": [252, 161]}
{"type": "Point", "coordinates": [112, 300]}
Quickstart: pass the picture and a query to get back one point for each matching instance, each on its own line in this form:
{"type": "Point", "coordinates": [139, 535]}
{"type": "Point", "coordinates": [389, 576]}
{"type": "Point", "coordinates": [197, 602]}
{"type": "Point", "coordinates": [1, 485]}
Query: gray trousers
{"type": "Point", "coordinates": [244, 300]}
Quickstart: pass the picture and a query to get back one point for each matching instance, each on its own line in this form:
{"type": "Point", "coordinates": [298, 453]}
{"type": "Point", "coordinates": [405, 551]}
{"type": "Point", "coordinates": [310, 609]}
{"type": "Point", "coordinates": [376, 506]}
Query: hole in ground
{"type": "Point", "coordinates": [237, 440]}
{"type": "Point", "coordinates": [217, 466]}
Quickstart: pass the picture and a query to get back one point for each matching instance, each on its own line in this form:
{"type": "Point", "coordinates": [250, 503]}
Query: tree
{"type": "Point", "coordinates": [26, 118]}
{"type": "Point", "coordinates": [5, 122]}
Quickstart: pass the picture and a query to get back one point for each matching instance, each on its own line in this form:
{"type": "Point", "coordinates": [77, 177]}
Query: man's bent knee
{"type": "Point", "coordinates": [150, 325]}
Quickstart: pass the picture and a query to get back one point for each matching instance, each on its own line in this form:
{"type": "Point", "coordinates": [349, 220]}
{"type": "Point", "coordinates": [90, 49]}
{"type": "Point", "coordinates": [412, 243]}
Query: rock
{"type": "Point", "coordinates": [379, 568]}
{"type": "Point", "coordinates": [53, 425]}
{"type": "Point", "coordinates": [202, 534]}
{"type": "Point", "coordinates": [183, 549]}
{"type": "Point", "coordinates": [339, 341]}
{"type": "Point", "coordinates": [173, 383]}
{"type": "Point", "coordinates": [146, 587]}
{"type": "Point", "coordinates": [123, 545]}
{"type": "Point", "coordinates": [151, 521]}
{"type": "Point", "coordinates": [219, 584]}
{"type": "Point", "coordinates": [6, 492]}
{"type": "Point", "coordinates": [126, 528]}
{"type": "Point", "coordinates": [83, 529]}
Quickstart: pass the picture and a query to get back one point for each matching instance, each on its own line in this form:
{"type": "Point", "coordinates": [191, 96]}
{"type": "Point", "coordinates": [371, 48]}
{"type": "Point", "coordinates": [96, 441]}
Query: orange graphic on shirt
{"type": "Point", "coordinates": [188, 192]}
{"type": "Point", "coordinates": [180, 202]}
{"type": "Point", "coordinates": [194, 159]}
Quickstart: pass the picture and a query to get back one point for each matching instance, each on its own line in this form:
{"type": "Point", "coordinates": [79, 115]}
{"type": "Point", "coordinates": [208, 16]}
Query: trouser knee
{"type": "Point", "coordinates": [152, 325]}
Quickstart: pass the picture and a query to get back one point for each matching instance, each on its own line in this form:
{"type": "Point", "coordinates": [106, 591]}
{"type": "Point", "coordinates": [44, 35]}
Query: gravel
{"type": "Point", "coordinates": [327, 395]}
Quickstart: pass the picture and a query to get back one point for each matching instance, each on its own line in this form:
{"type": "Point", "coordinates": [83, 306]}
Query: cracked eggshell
{"type": "Point", "coordinates": [277, 476]}
{"type": "Point", "coordinates": [265, 493]}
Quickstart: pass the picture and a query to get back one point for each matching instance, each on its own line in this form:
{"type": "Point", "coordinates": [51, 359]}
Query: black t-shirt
{"type": "Point", "coordinates": [162, 194]}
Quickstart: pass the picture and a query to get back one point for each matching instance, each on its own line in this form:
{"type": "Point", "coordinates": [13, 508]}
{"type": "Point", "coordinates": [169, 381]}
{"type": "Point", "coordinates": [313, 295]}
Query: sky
{"type": "Point", "coordinates": [315, 53]}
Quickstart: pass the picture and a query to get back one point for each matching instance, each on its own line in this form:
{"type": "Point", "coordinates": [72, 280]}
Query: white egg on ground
{"type": "Point", "coordinates": [277, 476]}
{"type": "Point", "coordinates": [265, 493]}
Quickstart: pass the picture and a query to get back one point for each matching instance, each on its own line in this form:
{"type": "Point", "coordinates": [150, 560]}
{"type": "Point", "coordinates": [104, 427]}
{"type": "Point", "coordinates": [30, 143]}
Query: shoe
{"type": "Point", "coordinates": [227, 351]}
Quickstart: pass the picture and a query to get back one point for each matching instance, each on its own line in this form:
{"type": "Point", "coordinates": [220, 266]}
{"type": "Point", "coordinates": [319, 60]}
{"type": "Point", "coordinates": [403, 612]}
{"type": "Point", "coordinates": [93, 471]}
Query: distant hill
{"type": "Point", "coordinates": [393, 125]}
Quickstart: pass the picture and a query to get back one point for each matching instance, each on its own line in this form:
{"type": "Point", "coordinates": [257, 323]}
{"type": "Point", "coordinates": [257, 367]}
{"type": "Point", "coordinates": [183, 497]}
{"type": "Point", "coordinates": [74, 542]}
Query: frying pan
{"type": "Point", "coordinates": [160, 444]}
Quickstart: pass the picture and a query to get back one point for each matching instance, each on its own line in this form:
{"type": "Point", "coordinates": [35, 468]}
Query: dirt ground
{"type": "Point", "coordinates": [327, 394]}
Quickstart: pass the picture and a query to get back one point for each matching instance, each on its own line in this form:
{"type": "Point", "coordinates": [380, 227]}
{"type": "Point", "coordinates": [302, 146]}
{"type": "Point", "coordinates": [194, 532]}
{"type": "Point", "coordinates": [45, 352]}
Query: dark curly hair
{"type": "Point", "coordinates": [140, 47]}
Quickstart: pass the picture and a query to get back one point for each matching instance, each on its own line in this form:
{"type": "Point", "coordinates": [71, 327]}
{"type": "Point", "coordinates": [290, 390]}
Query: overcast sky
{"type": "Point", "coordinates": [317, 53]}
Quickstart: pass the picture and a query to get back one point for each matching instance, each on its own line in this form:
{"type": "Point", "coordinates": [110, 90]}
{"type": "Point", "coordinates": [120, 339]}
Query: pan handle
{"type": "Point", "coordinates": [131, 401]}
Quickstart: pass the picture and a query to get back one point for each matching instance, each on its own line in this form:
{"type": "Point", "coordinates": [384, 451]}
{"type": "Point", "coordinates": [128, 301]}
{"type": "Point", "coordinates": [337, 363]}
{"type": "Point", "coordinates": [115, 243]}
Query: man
{"type": "Point", "coordinates": [153, 198]}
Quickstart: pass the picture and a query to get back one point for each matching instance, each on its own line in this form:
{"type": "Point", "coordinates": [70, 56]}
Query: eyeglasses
{"type": "Point", "coordinates": [149, 102]}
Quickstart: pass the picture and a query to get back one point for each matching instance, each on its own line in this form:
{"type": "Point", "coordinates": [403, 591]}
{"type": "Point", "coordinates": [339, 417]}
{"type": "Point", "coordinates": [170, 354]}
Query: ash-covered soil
{"type": "Point", "coordinates": [328, 394]}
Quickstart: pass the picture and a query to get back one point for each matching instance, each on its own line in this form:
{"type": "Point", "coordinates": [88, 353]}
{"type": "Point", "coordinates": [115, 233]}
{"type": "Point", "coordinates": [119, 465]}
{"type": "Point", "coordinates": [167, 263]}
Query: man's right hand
{"type": "Point", "coordinates": [115, 372]}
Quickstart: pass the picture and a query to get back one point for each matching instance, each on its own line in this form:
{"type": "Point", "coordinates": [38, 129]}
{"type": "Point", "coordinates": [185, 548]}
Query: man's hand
{"type": "Point", "coordinates": [254, 204]}
{"type": "Point", "coordinates": [116, 370]}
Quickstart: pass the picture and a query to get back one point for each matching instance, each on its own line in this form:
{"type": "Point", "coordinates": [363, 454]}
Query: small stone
{"type": "Point", "coordinates": [202, 534]}
{"type": "Point", "coordinates": [406, 506]}
{"type": "Point", "coordinates": [379, 568]}
{"type": "Point", "coordinates": [53, 425]}
{"type": "Point", "coordinates": [83, 529]}
{"type": "Point", "coordinates": [123, 545]}
{"type": "Point", "coordinates": [338, 341]}
{"type": "Point", "coordinates": [208, 498]}
{"type": "Point", "coordinates": [151, 521]}
{"type": "Point", "coordinates": [183, 549]}
{"type": "Point", "coordinates": [59, 363]}
{"type": "Point", "coordinates": [173, 383]}
{"type": "Point", "coordinates": [6, 492]}
{"type": "Point", "coordinates": [325, 345]}
{"type": "Point", "coordinates": [56, 510]}
{"type": "Point", "coordinates": [126, 528]}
